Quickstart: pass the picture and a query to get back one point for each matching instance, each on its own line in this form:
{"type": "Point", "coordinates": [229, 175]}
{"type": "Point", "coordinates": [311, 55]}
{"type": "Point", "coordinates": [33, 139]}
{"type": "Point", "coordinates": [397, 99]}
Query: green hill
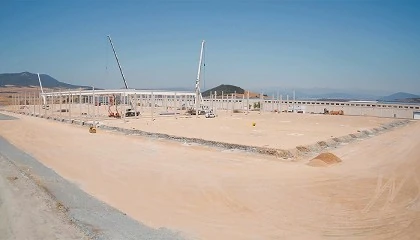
{"type": "Point", "coordinates": [227, 89]}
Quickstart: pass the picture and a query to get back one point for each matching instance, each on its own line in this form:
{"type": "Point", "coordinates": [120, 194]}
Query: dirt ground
{"type": "Point", "coordinates": [6, 93]}
{"type": "Point", "coordinates": [282, 131]}
{"type": "Point", "coordinates": [27, 212]}
{"type": "Point", "coordinates": [210, 194]}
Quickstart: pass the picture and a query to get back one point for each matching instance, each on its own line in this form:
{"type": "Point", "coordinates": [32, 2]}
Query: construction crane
{"type": "Point", "coordinates": [199, 107]}
{"type": "Point", "coordinates": [129, 112]}
{"type": "Point", "coordinates": [44, 100]}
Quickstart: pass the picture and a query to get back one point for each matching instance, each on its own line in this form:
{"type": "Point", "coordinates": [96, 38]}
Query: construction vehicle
{"type": "Point", "coordinates": [114, 115]}
{"type": "Point", "coordinates": [203, 110]}
{"type": "Point", "coordinates": [192, 111]}
{"type": "Point", "coordinates": [92, 129]}
{"type": "Point", "coordinates": [199, 108]}
{"type": "Point", "coordinates": [210, 114]}
{"type": "Point", "coordinates": [339, 112]}
{"type": "Point", "coordinates": [110, 104]}
{"type": "Point", "coordinates": [130, 112]}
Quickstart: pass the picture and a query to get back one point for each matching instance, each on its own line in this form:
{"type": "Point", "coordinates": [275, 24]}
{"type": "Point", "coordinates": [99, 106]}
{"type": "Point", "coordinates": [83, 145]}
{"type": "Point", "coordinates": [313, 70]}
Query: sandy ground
{"type": "Point", "coordinates": [281, 131]}
{"type": "Point", "coordinates": [209, 194]}
{"type": "Point", "coordinates": [27, 212]}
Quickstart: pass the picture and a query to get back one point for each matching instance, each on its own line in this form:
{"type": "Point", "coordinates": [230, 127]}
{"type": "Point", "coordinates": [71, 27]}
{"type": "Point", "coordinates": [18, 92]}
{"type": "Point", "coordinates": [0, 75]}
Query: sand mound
{"type": "Point", "coordinates": [324, 160]}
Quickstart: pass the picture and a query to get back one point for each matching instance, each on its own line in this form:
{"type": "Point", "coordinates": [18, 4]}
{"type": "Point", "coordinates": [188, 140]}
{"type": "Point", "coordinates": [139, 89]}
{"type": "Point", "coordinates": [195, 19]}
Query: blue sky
{"type": "Point", "coordinates": [252, 44]}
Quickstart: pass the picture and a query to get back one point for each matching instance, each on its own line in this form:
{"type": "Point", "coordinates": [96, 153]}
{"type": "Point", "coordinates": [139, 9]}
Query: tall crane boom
{"type": "Point", "coordinates": [198, 97]}
{"type": "Point", "coordinates": [42, 91]}
{"type": "Point", "coordinates": [130, 111]}
{"type": "Point", "coordinates": [118, 62]}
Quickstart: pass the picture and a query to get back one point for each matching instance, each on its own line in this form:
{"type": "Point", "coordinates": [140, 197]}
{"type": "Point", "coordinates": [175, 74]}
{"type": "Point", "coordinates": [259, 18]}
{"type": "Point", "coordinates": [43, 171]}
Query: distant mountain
{"type": "Point", "coordinates": [342, 94]}
{"type": "Point", "coordinates": [226, 89]}
{"type": "Point", "coordinates": [313, 94]}
{"type": "Point", "coordinates": [399, 97]}
{"type": "Point", "coordinates": [173, 89]}
{"type": "Point", "coordinates": [27, 79]}
{"type": "Point", "coordinates": [317, 92]}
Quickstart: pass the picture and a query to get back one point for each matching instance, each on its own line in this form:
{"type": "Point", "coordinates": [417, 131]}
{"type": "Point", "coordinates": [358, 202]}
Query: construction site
{"type": "Point", "coordinates": [219, 168]}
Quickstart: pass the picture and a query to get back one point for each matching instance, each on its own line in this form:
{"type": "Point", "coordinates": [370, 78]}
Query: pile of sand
{"type": "Point", "coordinates": [324, 160]}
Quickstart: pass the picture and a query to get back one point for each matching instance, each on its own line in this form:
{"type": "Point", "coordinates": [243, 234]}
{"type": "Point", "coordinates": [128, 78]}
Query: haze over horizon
{"type": "Point", "coordinates": [370, 45]}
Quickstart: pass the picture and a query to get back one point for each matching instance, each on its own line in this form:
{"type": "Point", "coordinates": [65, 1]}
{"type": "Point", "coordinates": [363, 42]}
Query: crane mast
{"type": "Point", "coordinates": [129, 112]}
{"type": "Point", "coordinates": [118, 62]}
{"type": "Point", "coordinates": [42, 91]}
{"type": "Point", "coordinates": [198, 96]}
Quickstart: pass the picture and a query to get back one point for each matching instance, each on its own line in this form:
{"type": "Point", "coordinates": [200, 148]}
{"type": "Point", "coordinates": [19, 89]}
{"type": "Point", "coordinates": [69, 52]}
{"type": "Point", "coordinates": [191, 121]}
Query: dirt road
{"type": "Point", "coordinates": [210, 194]}
{"type": "Point", "coordinates": [27, 212]}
